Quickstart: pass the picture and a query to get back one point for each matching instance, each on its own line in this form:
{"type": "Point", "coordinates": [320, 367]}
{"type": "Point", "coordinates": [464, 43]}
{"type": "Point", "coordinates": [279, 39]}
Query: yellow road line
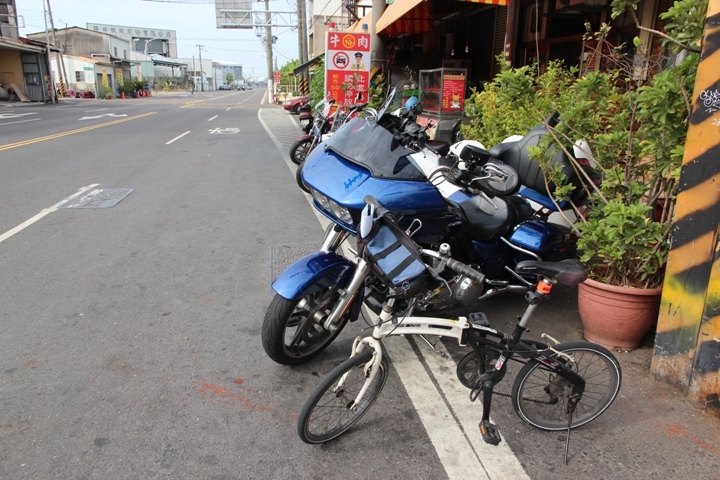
{"type": "Point", "coordinates": [71, 132]}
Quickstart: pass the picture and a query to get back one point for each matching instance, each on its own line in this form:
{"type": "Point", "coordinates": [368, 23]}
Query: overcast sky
{"type": "Point", "coordinates": [192, 20]}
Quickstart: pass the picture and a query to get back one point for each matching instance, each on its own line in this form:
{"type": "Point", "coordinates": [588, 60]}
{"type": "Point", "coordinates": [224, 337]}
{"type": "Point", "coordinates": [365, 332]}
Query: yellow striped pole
{"type": "Point", "coordinates": [687, 346]}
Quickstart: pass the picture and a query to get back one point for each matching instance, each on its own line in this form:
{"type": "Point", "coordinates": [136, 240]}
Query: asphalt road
{"type": "Point", "coordinates": [130, 343]}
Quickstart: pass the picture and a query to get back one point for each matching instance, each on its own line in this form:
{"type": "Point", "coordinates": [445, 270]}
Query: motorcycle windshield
{"type": "Point", "coordinates": [371, 146]}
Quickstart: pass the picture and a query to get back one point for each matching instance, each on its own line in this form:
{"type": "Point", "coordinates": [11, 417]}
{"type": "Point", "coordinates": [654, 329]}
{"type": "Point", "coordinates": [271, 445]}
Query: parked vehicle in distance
{"type": "Point", "coordinates": [294, 104]}
{"type": "Point", "coordinates": [224, 87]}
{"type": "Point", "coordinates": [241, 87]}
{"type": "Point", "coordinates": [249, 87]}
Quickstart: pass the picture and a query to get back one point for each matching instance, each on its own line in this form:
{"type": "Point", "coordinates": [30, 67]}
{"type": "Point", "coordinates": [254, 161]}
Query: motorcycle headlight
{"type": "Point", "coordinates": [338, 210]}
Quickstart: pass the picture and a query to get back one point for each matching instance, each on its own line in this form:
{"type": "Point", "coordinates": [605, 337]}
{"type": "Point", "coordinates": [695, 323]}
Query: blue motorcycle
{"type": "Point", "coordinates": [465, 203]}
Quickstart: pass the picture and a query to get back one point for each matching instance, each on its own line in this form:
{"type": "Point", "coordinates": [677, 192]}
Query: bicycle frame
{"type": "Point", "coordinates": [508, 346]}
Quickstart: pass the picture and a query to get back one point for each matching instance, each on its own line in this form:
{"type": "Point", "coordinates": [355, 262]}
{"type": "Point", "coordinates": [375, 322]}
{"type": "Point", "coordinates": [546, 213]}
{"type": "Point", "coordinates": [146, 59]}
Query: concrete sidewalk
{"type": "Point", "coordinates": [652, 430]}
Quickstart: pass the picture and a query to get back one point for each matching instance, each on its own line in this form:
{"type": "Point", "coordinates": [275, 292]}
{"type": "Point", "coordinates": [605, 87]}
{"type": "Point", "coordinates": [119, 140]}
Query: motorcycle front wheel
{"type": "Point", "coordinates": [300, 149]}
{"type": "Point", "coordinates": [291, 331]}
{"type": "Point", "coordinates": [298, 178]}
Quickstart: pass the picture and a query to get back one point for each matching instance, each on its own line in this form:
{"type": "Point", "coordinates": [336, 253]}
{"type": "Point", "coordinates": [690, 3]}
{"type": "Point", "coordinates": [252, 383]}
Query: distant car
{"type": "Point", "coordinates": [224, 87]}
{"type": "Point", "coordinates": [249, 87]}
{"type": "Point", "coordinates": [294, 104]}
{"type": "Point", "coordinates": [240, 87]}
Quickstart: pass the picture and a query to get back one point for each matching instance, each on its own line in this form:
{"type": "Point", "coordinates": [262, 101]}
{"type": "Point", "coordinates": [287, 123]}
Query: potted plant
{"type": "Point", "coordinates": [633, 116]}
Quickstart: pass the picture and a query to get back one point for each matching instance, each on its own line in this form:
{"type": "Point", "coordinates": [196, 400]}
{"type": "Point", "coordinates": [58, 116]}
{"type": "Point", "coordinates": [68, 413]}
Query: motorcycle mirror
{"type": "Point", "coordinates": [366, 220]}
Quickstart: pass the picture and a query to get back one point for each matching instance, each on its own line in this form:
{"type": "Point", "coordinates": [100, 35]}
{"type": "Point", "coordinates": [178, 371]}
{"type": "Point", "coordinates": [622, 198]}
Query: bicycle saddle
{"type": "Point", "coordinates": [567, 272]}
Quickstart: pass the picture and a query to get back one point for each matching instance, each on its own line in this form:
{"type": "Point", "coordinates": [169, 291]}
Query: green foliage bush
{"type": "Point", "coordinates": [636, 126]}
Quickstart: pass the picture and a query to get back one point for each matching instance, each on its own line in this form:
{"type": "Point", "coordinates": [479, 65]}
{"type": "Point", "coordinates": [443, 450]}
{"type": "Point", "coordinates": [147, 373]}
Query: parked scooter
{"type": "Point", "coordinates": [305, 117]}
{"type": "Point", "coordinates": [467, 202]}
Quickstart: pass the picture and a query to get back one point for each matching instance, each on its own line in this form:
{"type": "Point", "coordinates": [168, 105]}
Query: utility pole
{"type": "Point", "coordinates": [53, 92]}
{"type": "Point", "coordinates": [302, 46]}
{"type": "Point", "coordinates": [194, 74]}
{"type": "Point", "coordinates": [58, 56]}
{"type": "Point", "coordinates": [202, 80]}
{"type": "Point", "coordinates": [268, 52]}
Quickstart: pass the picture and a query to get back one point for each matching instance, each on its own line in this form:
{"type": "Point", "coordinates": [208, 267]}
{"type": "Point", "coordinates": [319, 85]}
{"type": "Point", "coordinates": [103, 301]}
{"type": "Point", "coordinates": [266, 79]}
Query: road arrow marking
{"type": "Point", "coordinates": [4, 116]}
{"type": "Point", "coordinates": [104, 115]}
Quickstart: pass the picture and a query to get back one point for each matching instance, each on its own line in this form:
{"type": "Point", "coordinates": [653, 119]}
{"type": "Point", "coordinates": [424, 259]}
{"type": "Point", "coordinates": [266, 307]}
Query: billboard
{"type": "Point", "coordinates": [140, 37]}
{"type": "Point", "coordinates": [233, 14]}
{"type": "Point", "coordinates": [347, 67]}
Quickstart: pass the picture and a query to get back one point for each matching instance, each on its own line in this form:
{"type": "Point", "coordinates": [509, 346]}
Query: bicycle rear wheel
{"type": "Point", "coordinates": [539, 396]}
{"type": "Point", "coordinates": [329, 412]}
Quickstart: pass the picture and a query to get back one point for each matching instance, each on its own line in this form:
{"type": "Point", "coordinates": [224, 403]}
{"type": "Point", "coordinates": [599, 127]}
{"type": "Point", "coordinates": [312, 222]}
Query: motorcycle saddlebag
{"type": "Point", "coordinates": [394, 257]}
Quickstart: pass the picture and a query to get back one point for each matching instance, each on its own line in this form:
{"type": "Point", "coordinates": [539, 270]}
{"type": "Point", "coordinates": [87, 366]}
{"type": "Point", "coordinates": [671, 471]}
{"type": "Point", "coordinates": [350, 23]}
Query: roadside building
{"type": "Point", "coordinates": [108, 55]}
{"type": "Point", "coordinates": [24, 61]}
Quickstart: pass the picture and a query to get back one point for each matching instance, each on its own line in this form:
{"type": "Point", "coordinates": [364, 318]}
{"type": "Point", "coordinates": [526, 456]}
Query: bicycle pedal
{"type": "Point", "coordinates": [479, 319]}
{"type": "Point", "coordinates": [490, 433]}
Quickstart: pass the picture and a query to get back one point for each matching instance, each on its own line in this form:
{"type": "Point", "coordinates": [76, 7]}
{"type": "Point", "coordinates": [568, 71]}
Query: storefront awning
{"type": "Point", "coordinates": [308, 64]}
{"type": "Point", "coordinates": [163, 61]}
{"type": "Point", "coordinates": [22, 46]}
{"type": "Point", "coordinates": [501, 3]}
{"type": "Point", "coordinates": [405, 16]}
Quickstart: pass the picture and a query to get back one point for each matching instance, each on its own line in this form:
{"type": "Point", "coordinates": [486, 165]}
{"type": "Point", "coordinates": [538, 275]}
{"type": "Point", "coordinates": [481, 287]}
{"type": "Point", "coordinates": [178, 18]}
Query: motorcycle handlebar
{"type": "Point", "coordinates": [379, 209]}
{"type": "Point", "coordinates": [455, 265]}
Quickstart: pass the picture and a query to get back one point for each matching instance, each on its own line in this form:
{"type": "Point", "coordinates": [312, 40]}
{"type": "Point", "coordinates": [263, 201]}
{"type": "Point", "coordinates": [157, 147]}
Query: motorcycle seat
{"type": "Point", "coordinates": [483, 221]}
{"type": "Point", "coordinates": [530, 174]}
{"type": "Point", "coordinates": [442, 148]}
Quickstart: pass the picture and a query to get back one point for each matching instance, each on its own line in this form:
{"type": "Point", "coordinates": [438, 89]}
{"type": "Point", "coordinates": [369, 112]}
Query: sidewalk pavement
{"type": "Point", "coordinates": [652, 430]}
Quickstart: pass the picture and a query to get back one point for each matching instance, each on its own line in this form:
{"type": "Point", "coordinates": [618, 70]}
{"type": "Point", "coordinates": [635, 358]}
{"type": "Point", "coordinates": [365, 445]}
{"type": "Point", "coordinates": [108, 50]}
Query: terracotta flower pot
{"type": "Point", "coordinates": [617, 317]}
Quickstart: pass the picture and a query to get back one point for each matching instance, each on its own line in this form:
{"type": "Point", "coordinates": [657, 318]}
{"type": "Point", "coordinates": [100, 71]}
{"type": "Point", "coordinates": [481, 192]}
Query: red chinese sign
{"type": "Point", "coordinates": [453, 93]}
{"type": "Point", "coordinates": [347, 67]}
{"type": "Point", "coordinates": [276, 77]}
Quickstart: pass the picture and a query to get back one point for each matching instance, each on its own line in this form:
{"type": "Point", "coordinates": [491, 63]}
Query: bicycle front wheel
{"type": "Point", "coordinates": [539, 395]}
{"type": "Point", "coordinates": [330, 411]}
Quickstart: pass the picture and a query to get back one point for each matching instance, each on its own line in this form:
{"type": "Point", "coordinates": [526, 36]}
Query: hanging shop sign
{"type": "Point", "coordinates": [347, 67]}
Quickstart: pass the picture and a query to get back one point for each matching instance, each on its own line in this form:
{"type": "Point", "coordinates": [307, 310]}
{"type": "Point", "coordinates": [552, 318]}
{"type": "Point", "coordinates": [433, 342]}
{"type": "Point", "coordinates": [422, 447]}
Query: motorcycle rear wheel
{"type": "Point", "coordinates": [300, 149]}
{"type": "Point", "coordinates": [290, 336]}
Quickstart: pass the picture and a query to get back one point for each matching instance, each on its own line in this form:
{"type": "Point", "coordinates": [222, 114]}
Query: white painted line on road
{"type": "Point", "coordinates": [21, 121]}
{"type": "Point", "coordinates": [178, 137]}
{"type": "Point", "coordinates": [498, 462]}
{"type": "Point", "coordinates": [213, 118]}
{"type": "Point", "coordinates": [98, 110]}
{"type": "Point", "coordinates": [44, 212]}
{"type": "Point", "coordinates": [227, 109]}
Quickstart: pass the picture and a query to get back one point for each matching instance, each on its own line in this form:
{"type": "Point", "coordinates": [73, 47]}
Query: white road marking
{"type": "Point", "coordinates": [227, 109]}
{"type": "Point", "coordinates": [44, 212]}
{"type": "Point", "coordinates": [21, 121]}
{"type": "Point", "coordinates": [213, 118]}
{"type": "Point", "coordinates": [178, 137]}
{"type": "Point", "coordinates": [104, 115]}
{"type": "Point", "coordinates": [4, 116]}
{"type": "Point", "coordinates": [224, 131]}
{"type": "Point", "coordinates": [441, 422]}
{"type": "Point", "coordinates": [98, 110]}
